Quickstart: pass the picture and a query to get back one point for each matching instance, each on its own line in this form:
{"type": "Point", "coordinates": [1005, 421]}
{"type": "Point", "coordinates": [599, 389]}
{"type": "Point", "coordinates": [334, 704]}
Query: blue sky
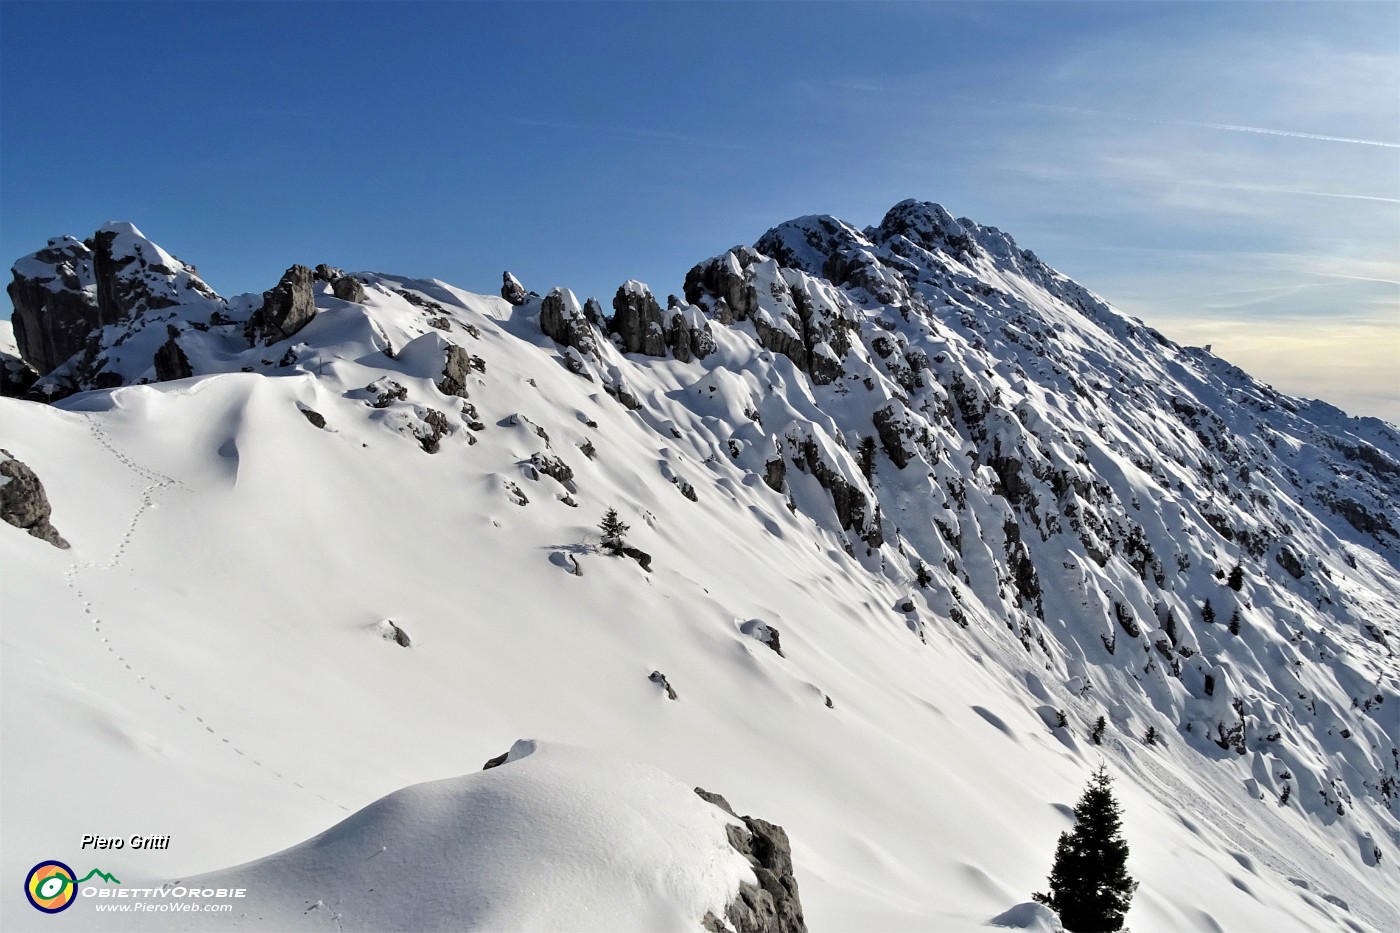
{"type": "Point", "coordinates": [1230, 173]}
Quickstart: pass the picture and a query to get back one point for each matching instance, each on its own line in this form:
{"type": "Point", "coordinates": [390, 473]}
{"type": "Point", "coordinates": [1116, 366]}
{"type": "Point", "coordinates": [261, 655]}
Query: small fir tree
{"type": "Point", "coordinates": [1170, 625]}
{"type": "Point", "coordinates": [1235, 622]}
{"type": "Point", "coordinates": [1089, 883]}
{"type": "Point", "coordinates": [1208, 613]}
{"type": "Point", "coordinates": [614, 530]}
{"type": "Point", "coordinates": [1236, 579]}
{"type": "Point", "coordinates": [1151, 737]}
{"type": "Point", "coordinates": [1099, 726]}
{"type": "Point", "coordinates": [865, 456]}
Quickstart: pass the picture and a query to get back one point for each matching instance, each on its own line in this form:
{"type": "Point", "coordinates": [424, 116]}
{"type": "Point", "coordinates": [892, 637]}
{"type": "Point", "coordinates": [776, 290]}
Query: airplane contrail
{"type": "Point", "coordinates": [1232, 127]}
{"type": "Point", "coordinates": [1271, 132]}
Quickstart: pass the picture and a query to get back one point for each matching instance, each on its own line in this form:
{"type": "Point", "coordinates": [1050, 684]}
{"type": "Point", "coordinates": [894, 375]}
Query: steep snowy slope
{"type": "Point", "coordinates": [967, 494]}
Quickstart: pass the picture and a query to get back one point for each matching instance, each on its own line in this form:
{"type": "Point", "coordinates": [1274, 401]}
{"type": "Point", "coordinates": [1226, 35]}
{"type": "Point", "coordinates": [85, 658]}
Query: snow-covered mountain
{"type": "Point", "coordinates": [905, 500]}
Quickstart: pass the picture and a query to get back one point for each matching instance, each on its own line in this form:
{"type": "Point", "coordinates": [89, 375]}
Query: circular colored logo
{"type": "Point", "coordinates": [50, 887]}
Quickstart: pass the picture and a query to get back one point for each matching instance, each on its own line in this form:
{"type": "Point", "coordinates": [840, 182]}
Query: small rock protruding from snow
{"type": "Point", "coordinates": [657, 677]}
{"type": "Point", "coordinates": [23, 502]}
{"type": "Point", "coordinates": [315, 417]}
{"type": "Point", "coordinates": [389, 631]}
{"type": "Point", "coordinates": [762, 631]}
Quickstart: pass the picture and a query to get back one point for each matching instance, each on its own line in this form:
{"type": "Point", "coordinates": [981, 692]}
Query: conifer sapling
{"type": "Point", "coordinates": [1089, 883]}
{"type": "Point", "coordinates": [614, 530]}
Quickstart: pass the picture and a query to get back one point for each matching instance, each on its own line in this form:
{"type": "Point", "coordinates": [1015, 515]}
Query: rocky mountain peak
{"type": "Point", "coordinates": [134, 275]}
{"type": "Point", "coordinates": [923, 223]}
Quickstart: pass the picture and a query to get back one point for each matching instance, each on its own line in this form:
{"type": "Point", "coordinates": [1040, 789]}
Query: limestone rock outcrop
{"type": "Point", "coordinates": [773, 905]}
{"type": "Point", "coordinates": [287, 307]}
{"type": "Point", "coordinates": [23, 502]}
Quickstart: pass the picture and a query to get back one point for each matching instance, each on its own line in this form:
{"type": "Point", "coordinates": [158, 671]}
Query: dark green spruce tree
{"type": "Point", "coordinates": [614, 530]}
{"type": "Point", "coordinates": [1089, 884]}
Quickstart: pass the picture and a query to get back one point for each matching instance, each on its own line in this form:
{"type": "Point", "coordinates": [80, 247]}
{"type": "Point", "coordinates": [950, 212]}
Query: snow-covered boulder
{"type": "Point", "coordinates": [549, 837]}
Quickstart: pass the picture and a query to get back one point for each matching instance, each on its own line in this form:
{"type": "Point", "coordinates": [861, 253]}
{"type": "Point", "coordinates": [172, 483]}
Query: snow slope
{"type": "Point", "coordinates": [555, 838]}
{"type": "Point", "coordinates": [208, 660]}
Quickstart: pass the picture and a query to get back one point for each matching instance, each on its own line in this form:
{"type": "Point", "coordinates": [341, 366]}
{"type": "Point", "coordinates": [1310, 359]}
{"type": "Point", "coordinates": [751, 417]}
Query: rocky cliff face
{"type": "Point", "coordinates": [54, 293]}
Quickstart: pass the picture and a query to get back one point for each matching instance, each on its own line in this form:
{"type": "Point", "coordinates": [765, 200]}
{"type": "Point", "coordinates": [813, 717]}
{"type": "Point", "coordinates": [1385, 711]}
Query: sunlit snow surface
{"type": "Point", "coordinates": [208, 660]}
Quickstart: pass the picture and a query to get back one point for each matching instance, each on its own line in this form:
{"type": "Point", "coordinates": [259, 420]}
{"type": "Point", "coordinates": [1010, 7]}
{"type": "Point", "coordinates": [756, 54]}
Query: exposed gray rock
{"type": "Point", "coordinates": [638, 321]}
{"type": "Point", "coordinates": [386, 392]}
{"type": "Point", "coordinates": [434, 429]}
{"type": "Point", "coordinates": [851, 503]}
{"type": "Point", "coordinates": [902, 435]}
{"type": "Point", "coordinates": [390, 630]}
{"type": "Point", "coordinates": [348, 288]}
{"type": "Point", "coordinates": [170, 361]}
{"type": "Point", "coordinates": [511, 289]}
{"type": "Point", "coordinates": [762, 631]}
{"type": "Point", "coordinates": [563, 321]}
{"type": "Point", "coordinates": [657, 677]}
{"type": "Point", "coordinates": [774, 473]}
{"type": "Point", "coordinates": [315, 417]}
{"type": "Point", "coordinates": [722, 279]}
{"type": "Point", "coordinates": [133, 275]}
{"type": "Point", "coordinates": [325, 273]}
{"type": "Point", "coordinates": [16, 376]}
{"type": "Point", "coordinates": [55, 300]}
{"type": "Point", "coordinates": [641, 557]}
{"type": "Point", "coordinates": [1290, 562]}
{"type": "Point", "coordinates": [518, 420]}
{"type": "Point", "coordinates": [455, 372]}
{"type": "Point", "coordinates": [287, 308]}
{"type": "Point", "coordinates": [496, 762]}
{"type": "Point", "coordinates": [811, 327]}
{"type": "Point", "coordinates": [551, 465]}
{"type": "Point", "coordinates": [23, 502]}
{"type": "Point", "coordinates": [773, 905]}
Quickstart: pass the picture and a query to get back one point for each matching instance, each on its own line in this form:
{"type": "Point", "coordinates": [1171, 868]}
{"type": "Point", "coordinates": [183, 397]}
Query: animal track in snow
{"type": "Point", "coordinates": [156, 482]}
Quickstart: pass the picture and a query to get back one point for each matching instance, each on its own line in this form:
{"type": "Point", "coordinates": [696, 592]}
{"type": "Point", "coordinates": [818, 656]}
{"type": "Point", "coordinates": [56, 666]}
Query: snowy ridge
{"type": "Point", "coordinates": [619, 845]}
{"type": "Point", "coordinates": [967, 493]}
